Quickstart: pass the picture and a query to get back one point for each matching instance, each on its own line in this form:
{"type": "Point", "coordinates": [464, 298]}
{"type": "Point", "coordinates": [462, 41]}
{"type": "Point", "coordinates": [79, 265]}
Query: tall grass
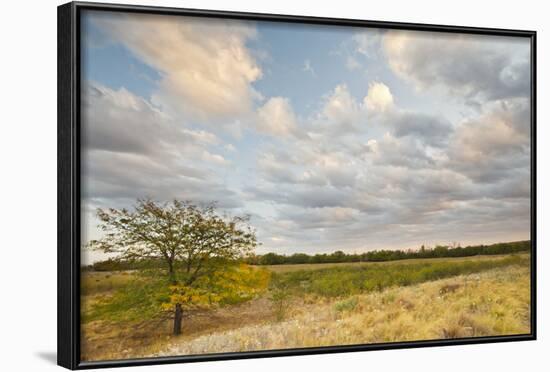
{"type": "Point", "coordinates": [491, 303]}
{"type": "Point", "coordinates": [351, 280]}
{"type": "Point", "coordinates": [93, 283]}
{"type": "Point", "coordinates": [345, 304]}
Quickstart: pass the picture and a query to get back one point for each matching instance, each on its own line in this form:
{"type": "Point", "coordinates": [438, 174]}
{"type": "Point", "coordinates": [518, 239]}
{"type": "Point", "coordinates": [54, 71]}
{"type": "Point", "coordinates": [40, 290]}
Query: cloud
{"type": "Point", "coordinates": [276, 117]}
{"type": "Point", "coordinates": [362, 48]}
{"type": "Point", "coordinates": [119, 121]}
{"type": "Point", "coordinates": [495, 144]}
{"type": "Point", "coordinates": [406, 182]}
{"type": "Point", "coordinates": [473, 66]}
{"type": "Point", "coordinates": [275, 170]}
{"type": "Point", "coordinates": [429, 129]}
{"type": "Point", "coordinates": [355, 170]}
{"type": "Point", "coordinates": [306, 196]}
{"type": "Point", "coordinates": [311, 167]}
{"type": "Point", "coordinates": [352, 63]}
{"type": "Point", "coordinates": [206, 68]}
{"type": "Point", "coordinates": [367, 42]}
{"type": "Point", "coordinates": [229, 147]}
{"type": "Point", "coordinates": [130, 150]}
{"type": "Point", "coordinates": [340, 113]}
{"type": "Point", "coordinates": [323, 191]}
{"type": "Point", "coordinates": [309, 68]}
{"type": "Point", "coordinates": [324, 217]}
{"type": "Point", "coordinates": [391, 151]}
{"type": "Point", "coordinates": [379, 97]}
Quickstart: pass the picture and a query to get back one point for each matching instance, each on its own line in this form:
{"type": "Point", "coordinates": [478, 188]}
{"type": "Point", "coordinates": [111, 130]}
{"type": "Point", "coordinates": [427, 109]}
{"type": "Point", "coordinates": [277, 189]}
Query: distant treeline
{"type": "Point", "coordinates": [338, 256]}
{"type": "Point", "coordinates": [137, 264]}
{"type": "Point", "coordinates": [391, 255]}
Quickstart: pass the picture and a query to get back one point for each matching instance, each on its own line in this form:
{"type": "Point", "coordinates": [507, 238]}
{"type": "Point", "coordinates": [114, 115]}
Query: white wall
{"type": "Point", "coordinates": [28, 184]}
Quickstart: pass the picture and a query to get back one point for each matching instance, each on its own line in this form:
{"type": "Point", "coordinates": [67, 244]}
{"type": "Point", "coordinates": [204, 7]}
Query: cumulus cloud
{"type": "Point", "coordinates": [473, 66]}
{"type": "Point", "coordinates": [414, 177]}
{"type": "Point", "coordinates": [427, 128]}
{"type": "Point", "coordinates": [340, 114]}
{"type": "Point", "coordinates": [206, 68]}
{"type": "Point", "coordinates": [378, 98]}
{"type": "Point", "coordinates": [340, 107]}
{"type": "Point", "coordinates": [276, 117]}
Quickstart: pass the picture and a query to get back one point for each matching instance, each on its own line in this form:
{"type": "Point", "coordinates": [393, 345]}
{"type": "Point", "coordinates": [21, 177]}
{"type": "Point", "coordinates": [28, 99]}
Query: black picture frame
{"type": "Point", "coordinates": [68, 215]}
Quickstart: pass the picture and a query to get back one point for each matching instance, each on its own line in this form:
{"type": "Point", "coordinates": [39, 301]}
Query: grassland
{"type": "Point", "coordinates": [93, 283]}
{"type": "Point", "coordinates": [300, 267]}
{"type": "Point", "coordinates": [495, 302]}
{"type": "Point", "coordinates": [331, 304]}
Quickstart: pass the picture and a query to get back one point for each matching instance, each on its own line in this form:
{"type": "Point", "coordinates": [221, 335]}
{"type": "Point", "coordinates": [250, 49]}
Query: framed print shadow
{"type": "Point", "coordinates": [238, 185]}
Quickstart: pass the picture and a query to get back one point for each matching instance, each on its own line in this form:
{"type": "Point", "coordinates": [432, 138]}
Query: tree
{"type": "Point", "coordinates": [272, 259]}
{"type": "Point", "coordinates": [197, 246]}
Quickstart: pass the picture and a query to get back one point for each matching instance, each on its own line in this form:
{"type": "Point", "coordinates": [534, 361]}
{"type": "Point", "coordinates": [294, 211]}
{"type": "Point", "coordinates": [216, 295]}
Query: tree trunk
{"type": "Point", "coordinates": [171, 272]}
{"type": "Point", "coordinates": [178, 315]}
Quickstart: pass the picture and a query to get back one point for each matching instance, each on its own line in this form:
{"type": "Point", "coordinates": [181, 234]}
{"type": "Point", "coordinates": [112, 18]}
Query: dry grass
{"type": "Point", "coordinates": [102, 340]}
{"type": "Point", "coordinates": [94, 283]}
{"type": "Point", "coordinates": [495, 302]}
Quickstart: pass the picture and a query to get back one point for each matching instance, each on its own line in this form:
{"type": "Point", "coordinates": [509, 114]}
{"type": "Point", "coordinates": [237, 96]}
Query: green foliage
{"type": "Point", "coordinates": [177, 233]}
{"type": "Point", "coordinates": [352, 280]}
{"type": "Point", "coordinates": [138, 300]}
{"type": "Point", "coordinates": [151, 294]}
{"type": "Point", "coordinates": [271, 259]}
{"type": "Point", "coordinates": [392, 255]}
{"type": "Point", "coordinates": [191, 250]}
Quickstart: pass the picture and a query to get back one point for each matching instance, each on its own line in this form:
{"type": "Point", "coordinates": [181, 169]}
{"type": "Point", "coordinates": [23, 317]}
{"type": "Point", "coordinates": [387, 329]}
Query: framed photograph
{"type": "Point", "coordinates": [238, 185]}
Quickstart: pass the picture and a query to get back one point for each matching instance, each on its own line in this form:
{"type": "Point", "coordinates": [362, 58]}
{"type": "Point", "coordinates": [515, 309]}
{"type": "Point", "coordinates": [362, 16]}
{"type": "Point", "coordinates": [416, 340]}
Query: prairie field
{"type": "Point", "coordinates": [300, 267]}
{"type": "Point", "coordinates": [326, 304]}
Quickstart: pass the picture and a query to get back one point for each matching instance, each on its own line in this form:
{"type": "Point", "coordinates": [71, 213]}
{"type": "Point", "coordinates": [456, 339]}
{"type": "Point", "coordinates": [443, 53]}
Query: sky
{"type": "Point", "coordinates": [329, 137]}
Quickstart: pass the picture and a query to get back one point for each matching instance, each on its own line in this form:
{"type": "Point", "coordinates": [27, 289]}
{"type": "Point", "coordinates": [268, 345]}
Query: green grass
{"type": "Point", "coordinates": [343, 281]}
{"type": "Point", "coordinates": [318, 266]}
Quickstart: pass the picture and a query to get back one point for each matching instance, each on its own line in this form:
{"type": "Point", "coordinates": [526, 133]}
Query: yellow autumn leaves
{"type": "Point", "coordinates": [228, 285]}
